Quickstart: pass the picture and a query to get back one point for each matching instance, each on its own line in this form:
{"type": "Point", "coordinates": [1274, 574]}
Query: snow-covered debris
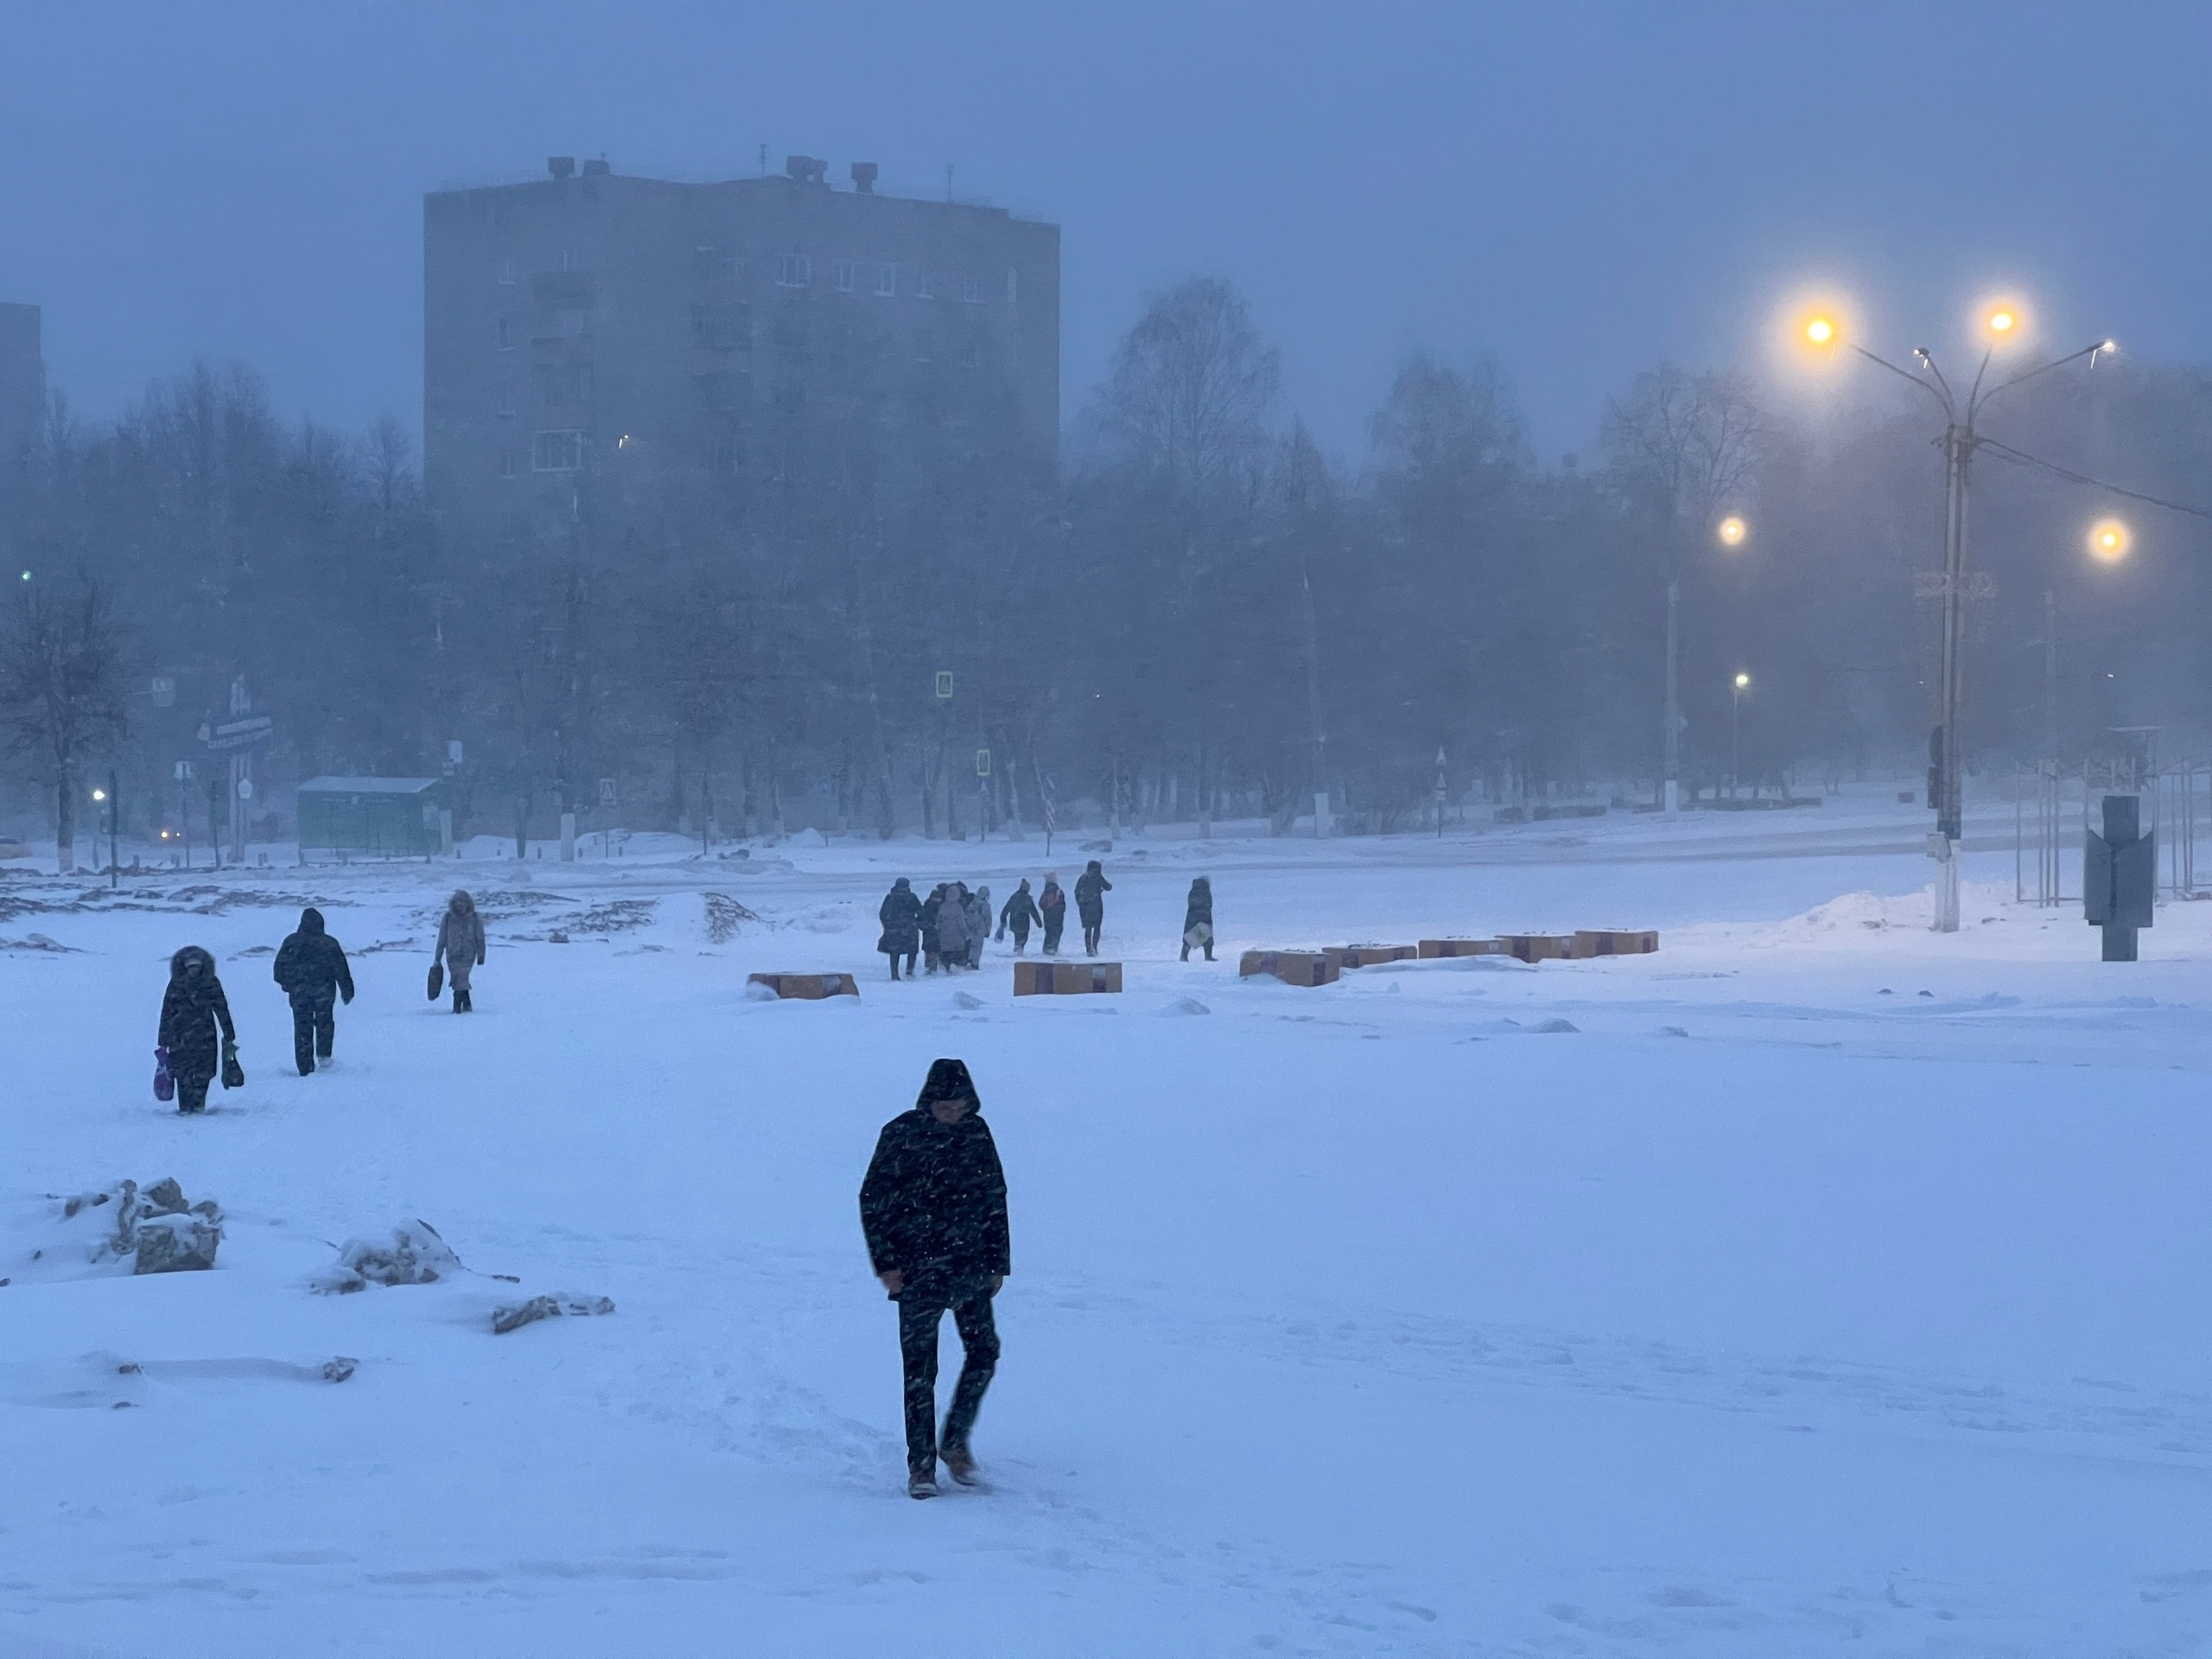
{"type": "Point", "coordinates": [513, 1317]}
{"type": "Point", "coordinates": [413, 1255]}
{"type": "Point", "coordinates": [1191, 1005]}
{"type": "Point", "coordinates": [154, 1228]}
{"type": "Point", "coordinates": [724, 914]}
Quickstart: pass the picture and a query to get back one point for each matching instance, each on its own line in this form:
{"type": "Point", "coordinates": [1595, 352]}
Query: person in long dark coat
{"type": "Point", "coordinates": [952, 927]}
{"type": "Point", "coordinates": [1020, 913]}
{"type": "Point", "coordinates": [933, 908]}
{"type": "Point", "coordinates": [933, 1211]}
{"type": "Point", "coordinates": [979, 925]}
{"type": "Point", "coordinates": [1090, 890]}
{"type": "Point", "coordinates": [1052, 913]}
{"type": "Point", "coordinates": [311, 970]}
{"type": "Point", "coordinates": [1197, 918]}
{"type": "Point", "coordinates": [195, 1025]}
{"type": "Point", "coordinates": [902, 916]}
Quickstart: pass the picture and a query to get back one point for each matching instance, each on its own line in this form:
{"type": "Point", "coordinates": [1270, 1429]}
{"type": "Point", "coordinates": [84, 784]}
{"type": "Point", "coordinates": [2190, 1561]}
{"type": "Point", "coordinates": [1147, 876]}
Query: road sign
{"type": "Point", "coordinates": [245, 732]}
{"type": "Point", "coordinates": [246, 789]}
{"type": "Point", "coordinates": [606, 791]}
{"type": "Point", "coordinates": [982, 763]}
{"type": "Point", "coordinates": [453, 750]}
{"type": "Point", "coordinates": [945, 683]}
{"type": "Point", "coordinates": [164, 691]}
{"type": "Point", "coordinates": [185, 772]}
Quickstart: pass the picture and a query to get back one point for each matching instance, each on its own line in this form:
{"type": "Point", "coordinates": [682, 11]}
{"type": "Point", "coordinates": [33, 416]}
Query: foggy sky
{"type": "Point", "coordinates": [1578, 189]}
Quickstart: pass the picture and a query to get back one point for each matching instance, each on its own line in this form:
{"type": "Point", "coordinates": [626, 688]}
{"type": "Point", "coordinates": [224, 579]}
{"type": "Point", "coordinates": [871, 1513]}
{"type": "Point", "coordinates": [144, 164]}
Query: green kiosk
{"type": "Point", "coordinates": [387, 818]}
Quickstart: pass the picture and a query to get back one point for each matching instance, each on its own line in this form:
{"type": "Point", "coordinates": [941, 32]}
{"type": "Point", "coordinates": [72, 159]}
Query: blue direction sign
{"type": "Point", "coordinates": [238, 731]}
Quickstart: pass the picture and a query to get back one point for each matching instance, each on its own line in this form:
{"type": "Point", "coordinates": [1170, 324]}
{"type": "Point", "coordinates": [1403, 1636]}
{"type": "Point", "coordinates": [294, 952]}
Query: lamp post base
{"type": "Point", "coordinates": [1672, 803]}
{"type": "Point", "coordinates": [1947, 888]}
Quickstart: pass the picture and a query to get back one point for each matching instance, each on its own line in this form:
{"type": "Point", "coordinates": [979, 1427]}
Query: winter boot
{"type": "Point", "coordinates": [921, 1485]}
{"type": "Point", "coordinates": [467, 1003]}
{"type": "Point", "coordinates": [959, 1463]}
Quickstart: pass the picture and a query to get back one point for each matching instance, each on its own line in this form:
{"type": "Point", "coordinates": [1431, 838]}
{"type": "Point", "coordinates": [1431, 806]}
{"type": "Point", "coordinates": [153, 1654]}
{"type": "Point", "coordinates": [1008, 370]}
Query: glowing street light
{"type": "Point", "coordinates": [1743, 682]}
{"type": "Point", "coordinates": [2002, 322]}
{"type": "Point", "coordinates": [1737, 687]}
{"type": "Point", "coordinates": [99, 794]}
{"type": "Point", "coordinates": [1732, 531]}
{"type": "Point", "coordinates": [2108, 541]}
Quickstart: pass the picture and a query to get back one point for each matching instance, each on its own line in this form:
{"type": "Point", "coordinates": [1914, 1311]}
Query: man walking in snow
{"type": "Point", "coordinates": [933, 1211]}
{"type": "Point", "coordinates": [311, 970]}
{"type": "Point", "coordinates": [1090, 890]}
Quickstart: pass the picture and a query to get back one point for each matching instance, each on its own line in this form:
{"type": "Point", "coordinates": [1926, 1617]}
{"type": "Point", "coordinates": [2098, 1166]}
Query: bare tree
{"type": "Point", "coordinates": [1192, 387]}
{"type": "Point", "coordinates": [1690, 445]}
{"type": "Point", "coordinates": [62, 688]}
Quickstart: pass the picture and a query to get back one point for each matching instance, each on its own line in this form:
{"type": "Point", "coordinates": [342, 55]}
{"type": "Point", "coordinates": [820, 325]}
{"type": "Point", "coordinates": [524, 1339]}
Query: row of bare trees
{"type": "Point", "coordinates": [882, 625]}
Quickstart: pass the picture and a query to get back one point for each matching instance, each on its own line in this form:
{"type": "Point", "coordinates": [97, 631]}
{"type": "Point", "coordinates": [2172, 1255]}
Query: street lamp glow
{"type": "Point", "coordinates": [1743, 680]}
{"type": "Point", "coordinates": [1731, 530]}
{"type": "Point", "coordinates": [1821, 331]}
{"type": "Point", "coordinates": [99, 794]}
{"type": "Point", "coordinates": [2002, 321]}
{"type": "Point", "coordinates": [2108, 541]}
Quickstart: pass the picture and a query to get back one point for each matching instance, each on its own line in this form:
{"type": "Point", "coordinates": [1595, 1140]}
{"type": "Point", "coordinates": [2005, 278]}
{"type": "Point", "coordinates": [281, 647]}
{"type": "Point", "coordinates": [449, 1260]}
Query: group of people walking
{"type": "Point", "coordinates": [197, 1040]}
{"type": "Point", "coordinates": [948, 930]}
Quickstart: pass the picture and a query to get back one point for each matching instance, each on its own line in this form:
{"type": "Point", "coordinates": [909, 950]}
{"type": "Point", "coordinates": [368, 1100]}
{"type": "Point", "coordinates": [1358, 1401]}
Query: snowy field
{"type": "Point", "coordinates": [1817, 1283]}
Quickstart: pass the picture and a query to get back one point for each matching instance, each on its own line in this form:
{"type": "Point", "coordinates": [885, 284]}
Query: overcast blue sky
{"type": "Point", "coordinates": [1578, 189]}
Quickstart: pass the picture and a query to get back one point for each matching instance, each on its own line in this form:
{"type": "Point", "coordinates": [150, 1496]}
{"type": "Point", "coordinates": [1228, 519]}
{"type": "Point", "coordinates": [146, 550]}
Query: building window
{"type": "Point", "coordinates": [506, 335]}
{"type": "Point", "coordinates": [506, 403]}
{"type": "Point", "coordinates": [887, 280]}
{"type": "Point", "coordinates": [925, 284]}
{"type": "Point", "coordinates": [1009, 284]}
{"type": "Point", "coordinates": [971, 291]}
{"type": "Point", "coordinates": [506, 273]}
{"type": "Point", "coordinates": [557, 452]}
{"type": "Point", "coordinates": [716, 265]}
{"type": "Point", "coordinates": [794, 270]}
{"type": "Point", "coordinates": [847, 273]}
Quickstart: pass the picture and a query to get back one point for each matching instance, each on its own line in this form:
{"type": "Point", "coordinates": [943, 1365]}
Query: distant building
{"type": "Point", "coordinates": [622, 350]}
{"type": "Point", "coordinates": [23, 399]}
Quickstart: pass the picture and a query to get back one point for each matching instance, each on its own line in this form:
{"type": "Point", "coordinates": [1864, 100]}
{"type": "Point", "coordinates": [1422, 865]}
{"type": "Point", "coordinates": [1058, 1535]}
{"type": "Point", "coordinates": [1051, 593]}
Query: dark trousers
{"type": "Point", "coordinates": [1053, 927]}
{"type": "Point", "coordinates": [314, 1028]}
{"type": "Point", "coordinates": [191, 1091]}
{"type": "Point", "coordinates": [1091, 927]}
{"type": "Point", "coordinates": [1020, 938]}
{"type": "Point", "coordinates": [919, 1316]}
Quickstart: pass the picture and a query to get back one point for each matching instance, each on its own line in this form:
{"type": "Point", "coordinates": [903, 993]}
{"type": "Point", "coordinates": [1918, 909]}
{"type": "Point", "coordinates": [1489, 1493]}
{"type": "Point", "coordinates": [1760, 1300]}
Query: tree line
{"type": "Point", "coordinates": [1203, 617]}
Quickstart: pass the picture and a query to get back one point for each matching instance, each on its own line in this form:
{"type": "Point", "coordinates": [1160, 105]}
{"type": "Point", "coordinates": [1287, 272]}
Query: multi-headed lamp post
{"type": "Point", "coordinates": [2001, 325]}
{"type": "Point", "coordinates": [1730, 533]}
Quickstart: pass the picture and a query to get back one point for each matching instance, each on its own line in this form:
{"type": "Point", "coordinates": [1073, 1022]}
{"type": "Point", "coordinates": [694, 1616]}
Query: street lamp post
{"type": "Point", "coordinates": [1737, 687]}
{"type": "Point", "coordinates": [1961, 439]}
{"type": "Point", "coordinates": [1729, 532]}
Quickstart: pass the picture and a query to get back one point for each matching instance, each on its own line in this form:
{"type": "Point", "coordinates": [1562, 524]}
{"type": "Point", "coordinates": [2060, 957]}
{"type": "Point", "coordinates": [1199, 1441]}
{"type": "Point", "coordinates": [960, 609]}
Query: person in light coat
{"type": "Point", "coordinates": [460, 947]}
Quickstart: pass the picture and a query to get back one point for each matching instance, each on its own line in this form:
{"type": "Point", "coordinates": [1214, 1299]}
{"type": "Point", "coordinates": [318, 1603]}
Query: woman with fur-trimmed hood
{"type": "Point", "coordinates": [195, 1025]}
{"type": "Point", "coordinates": [460, 947]}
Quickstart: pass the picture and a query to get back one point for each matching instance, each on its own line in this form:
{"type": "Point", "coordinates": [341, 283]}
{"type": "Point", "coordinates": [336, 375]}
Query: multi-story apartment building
{"type": "Point", "coordinates": [23, 399]}
{"type": "Point", "coordinates": [604, 349]}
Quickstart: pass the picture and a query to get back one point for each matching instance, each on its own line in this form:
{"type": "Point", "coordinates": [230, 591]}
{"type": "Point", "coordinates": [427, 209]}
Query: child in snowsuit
{"type": "Point", "coordinates": [1021, 914]}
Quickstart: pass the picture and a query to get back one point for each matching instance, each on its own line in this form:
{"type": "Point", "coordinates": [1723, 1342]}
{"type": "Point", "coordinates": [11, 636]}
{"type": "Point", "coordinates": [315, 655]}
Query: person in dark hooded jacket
{"type": "Point", "coordinates": [979, 924]}
{"type": "Point", "coordinates": [933, 1211]}
{"type": "Point", "coordinates": [1090, 890]}
{"type": "Point", "coordinates": [1021, 914]}
{"type": "Point", "coordinates": [1197, 918]}
{"type": "Point", "coordinates": [311, 970]}
{"type": "Point", "coordinates": [195, 1025]}
{"type": "Point", "coordinates": [902, 916]}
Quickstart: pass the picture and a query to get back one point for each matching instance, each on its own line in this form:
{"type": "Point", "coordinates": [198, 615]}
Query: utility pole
{"type": "Point", "coordinates": [2050, 673]}
{"type": "Point", "coordinates": [114, 813]}
{"type": "Point", "coordinates": [1671, 800]}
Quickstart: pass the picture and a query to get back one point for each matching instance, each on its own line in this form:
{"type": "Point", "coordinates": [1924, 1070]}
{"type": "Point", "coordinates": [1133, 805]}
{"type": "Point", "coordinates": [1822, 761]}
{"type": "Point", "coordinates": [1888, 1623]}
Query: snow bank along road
{"type": "Point", "coordinates": [1827, 1285]}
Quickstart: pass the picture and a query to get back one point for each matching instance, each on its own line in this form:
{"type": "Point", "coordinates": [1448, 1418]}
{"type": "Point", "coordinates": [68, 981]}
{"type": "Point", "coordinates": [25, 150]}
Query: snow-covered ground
{"type": "Point", "coordinates": [1828, 1284]}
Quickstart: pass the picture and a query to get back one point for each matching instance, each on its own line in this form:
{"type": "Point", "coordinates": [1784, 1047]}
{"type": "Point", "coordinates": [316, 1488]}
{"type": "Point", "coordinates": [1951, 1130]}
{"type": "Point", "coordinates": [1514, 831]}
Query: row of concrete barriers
{"type": "Point", "coordinates": [1322, 966]}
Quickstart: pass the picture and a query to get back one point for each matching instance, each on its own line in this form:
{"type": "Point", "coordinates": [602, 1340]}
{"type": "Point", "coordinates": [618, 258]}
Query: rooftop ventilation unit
{"type": "Point", "coordinates": [864, 177]}
{"type": "Point", "coordinates": [807, 170]}
{"type": "Point", "coordinates": [560, 167]}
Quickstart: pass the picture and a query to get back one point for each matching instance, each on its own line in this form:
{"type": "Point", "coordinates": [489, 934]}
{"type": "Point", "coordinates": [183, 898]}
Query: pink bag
{"type": "Point", "coordinates": [164, 1084]}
